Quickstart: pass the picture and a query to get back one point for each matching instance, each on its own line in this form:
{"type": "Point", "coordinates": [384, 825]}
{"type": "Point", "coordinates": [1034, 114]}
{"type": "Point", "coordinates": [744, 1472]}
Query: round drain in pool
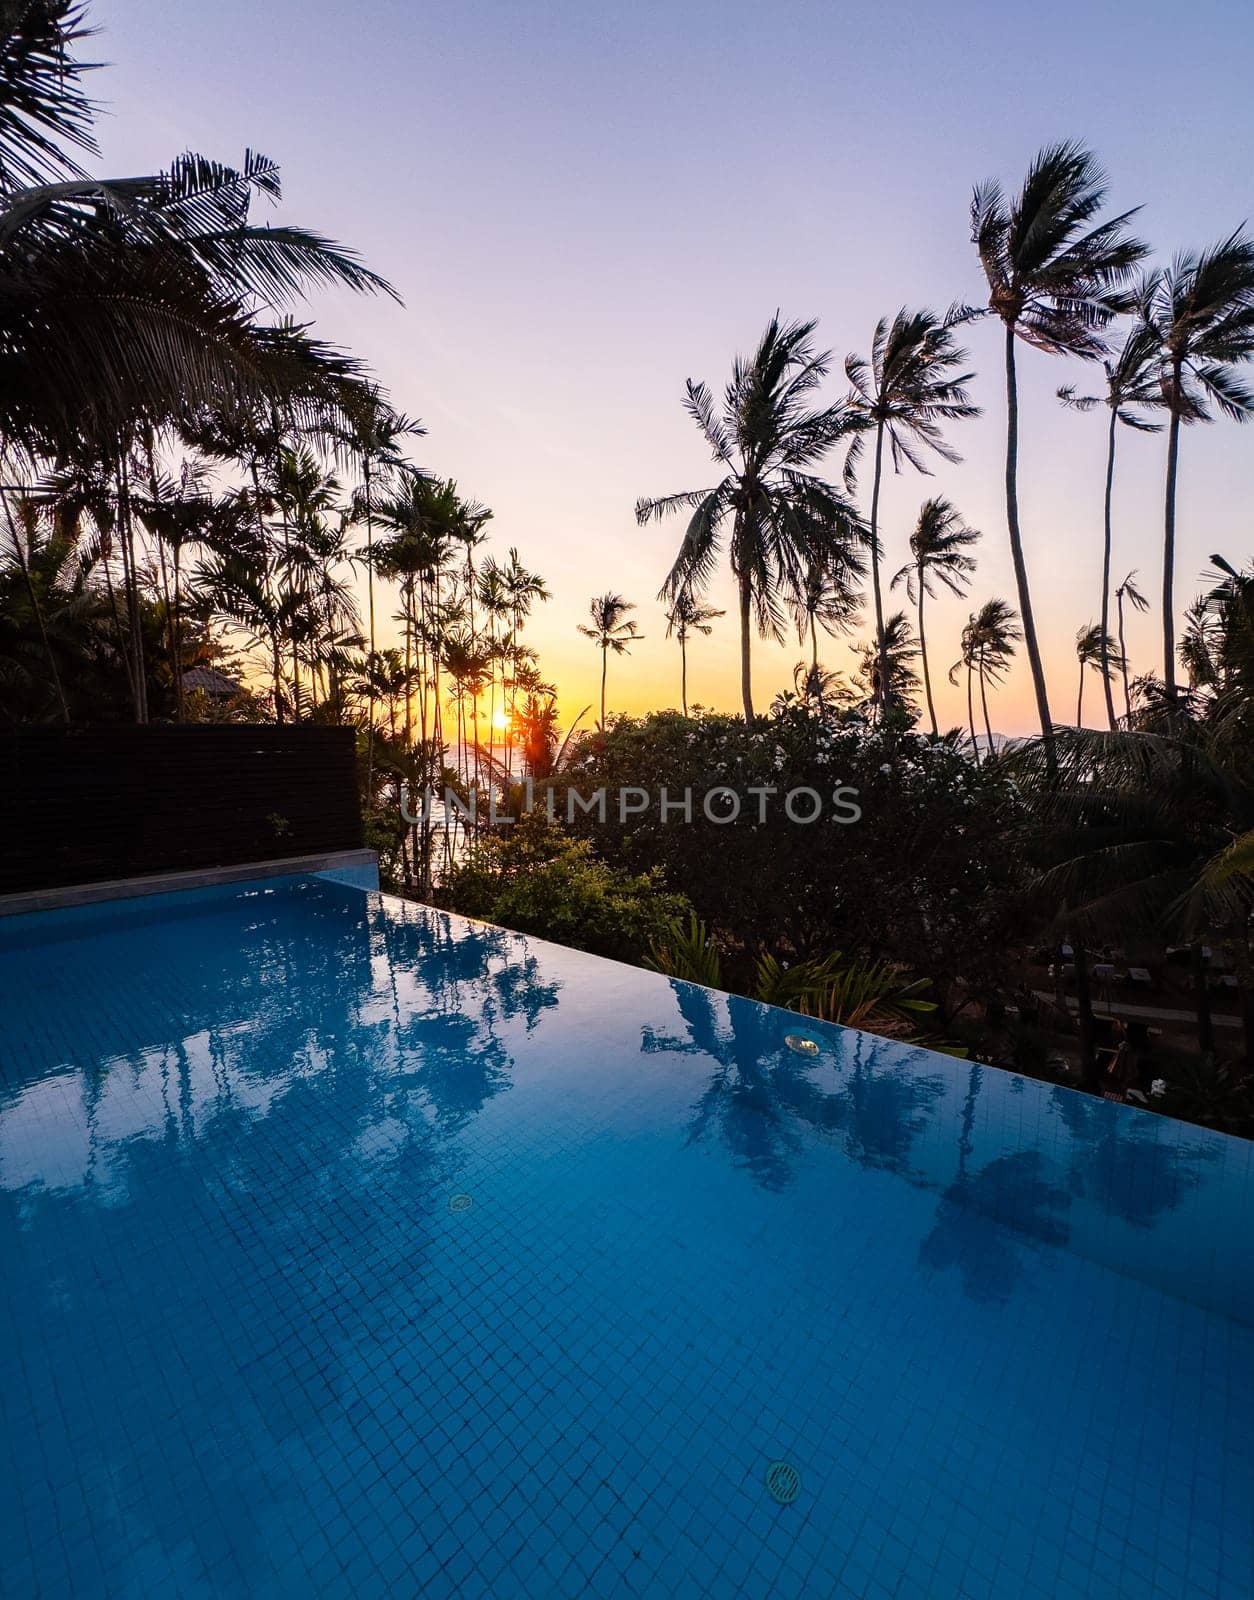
{"type": "Point", "coordinates": [784, 1482]}
{"type": "Point", "coordinates": [801, 1044]}
{"type": "Point", "coordinates": [460, 1202]}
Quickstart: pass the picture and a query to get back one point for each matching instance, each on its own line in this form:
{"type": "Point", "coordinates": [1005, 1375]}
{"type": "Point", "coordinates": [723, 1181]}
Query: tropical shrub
{"type": "Point", "coordinates": [537, 879]}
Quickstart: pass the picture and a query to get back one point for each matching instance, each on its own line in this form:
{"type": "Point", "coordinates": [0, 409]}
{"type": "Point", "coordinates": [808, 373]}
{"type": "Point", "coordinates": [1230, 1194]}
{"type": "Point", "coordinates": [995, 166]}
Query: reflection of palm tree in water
{"type": "Point", "coordinates": [1136, 1179]}
{"type": "Point", "coordinates": [760, 1092]}
{"type": "Point", "coordinates": [967, 1233]}
{"type": "Point", "coordinates": [318, 1153]}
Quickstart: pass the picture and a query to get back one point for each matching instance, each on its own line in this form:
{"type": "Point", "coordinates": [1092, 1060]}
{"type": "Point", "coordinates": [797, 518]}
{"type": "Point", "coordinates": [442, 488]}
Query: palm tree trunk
{"type": "Point", "coordinates": [988, 726]}
{"type": "Point", "coordinates": [814, 646]}
{"type": "Point", "coordinates": [1079, 700]}
{"type": "Point", "coordinates": [132, 589]}
{"type": "Point", "coordinates": [880, 641]}
{"type": "Point", "coordinates": [746, 684]}
{"type": "Point", "coordinates": [1110, 482]}
{"type": "Point", "coordinates": [1169, 535]}
{"type": "Point", "coordinates": [927, 676]}
{"type": "Point", "coordinates": [605, 661]}
{"type": "Point", "coordinates": [975, 749]}
{"type": "Point", "coordinates": [683, 672]}
{"type": "Point", "coordinates": [1123, 661]}
{"type": "Point", "coordinates": [1016, 545]}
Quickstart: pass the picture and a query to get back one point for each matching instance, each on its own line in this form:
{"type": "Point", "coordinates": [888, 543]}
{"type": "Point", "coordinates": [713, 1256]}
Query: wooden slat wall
{"type": "Point", "coordinates": [81, 804]}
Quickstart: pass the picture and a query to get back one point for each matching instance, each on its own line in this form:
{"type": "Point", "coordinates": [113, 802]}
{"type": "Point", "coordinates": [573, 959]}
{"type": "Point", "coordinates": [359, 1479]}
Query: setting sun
{"type": "Point", "coordinates": [500, 720]}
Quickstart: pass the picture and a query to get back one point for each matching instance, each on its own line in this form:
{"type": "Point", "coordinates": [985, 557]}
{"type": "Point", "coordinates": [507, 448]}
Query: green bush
{"type": "Point", "coordinates": [536, 878]}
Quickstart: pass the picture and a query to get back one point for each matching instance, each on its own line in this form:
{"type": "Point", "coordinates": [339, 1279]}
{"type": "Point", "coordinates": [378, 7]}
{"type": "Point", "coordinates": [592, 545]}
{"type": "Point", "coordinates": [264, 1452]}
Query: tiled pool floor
{"type": "Point", "coordinates": [253, 1341]}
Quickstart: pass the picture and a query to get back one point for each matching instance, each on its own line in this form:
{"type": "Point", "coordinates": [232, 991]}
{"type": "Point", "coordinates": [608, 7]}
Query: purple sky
{"type": "Point", "coordinates": [585, 204]}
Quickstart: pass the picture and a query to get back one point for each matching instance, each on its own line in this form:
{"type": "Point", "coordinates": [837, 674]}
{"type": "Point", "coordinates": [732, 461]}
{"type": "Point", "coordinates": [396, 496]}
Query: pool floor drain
{"type": "Point", "coordinates": [460, 1202]}
{"type": "Point", "coordinates": [783, 1482]}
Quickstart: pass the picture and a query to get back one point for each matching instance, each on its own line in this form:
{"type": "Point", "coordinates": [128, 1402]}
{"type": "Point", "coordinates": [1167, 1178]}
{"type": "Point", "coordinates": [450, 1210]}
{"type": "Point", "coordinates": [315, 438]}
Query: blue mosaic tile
{"type": "Point", "coordinates": [1003, 1333]}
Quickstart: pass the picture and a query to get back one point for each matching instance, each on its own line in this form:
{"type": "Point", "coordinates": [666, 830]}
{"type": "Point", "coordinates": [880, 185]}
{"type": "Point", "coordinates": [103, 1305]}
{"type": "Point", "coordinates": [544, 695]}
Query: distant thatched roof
{"type": "Point", "coordinates": [212, 682]}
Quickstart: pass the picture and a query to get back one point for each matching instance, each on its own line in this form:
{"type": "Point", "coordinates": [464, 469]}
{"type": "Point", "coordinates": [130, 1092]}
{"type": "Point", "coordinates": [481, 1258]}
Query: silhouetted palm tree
{"type": "Point", "coordinates": [906, 390]}
{"type": "Point", "coordinates": [1055, 281]}
{"type": "Point", "coordinates": [1096, 649]}
{"type": "Point", "coordinates": [938, 548]}
{"type": "Point", "coordinates": [611, 629]}
{"type": "Point", "coordinates": [1128, 591]}
{"type": "Point", "coordinates": [988, 647]}
{"type": "Point", "coordinates": [887, 672]}
{"type": "Point", "coordinates": [1202, 311]}
{"type": "Point", "coordinates": [1131, 384]}
{"type": "Point", "coordinates": [687, 615]}
{"type": "Point", "coordinates": [828, 597]}
{"type": "Point", "coordinates": [777, 516]}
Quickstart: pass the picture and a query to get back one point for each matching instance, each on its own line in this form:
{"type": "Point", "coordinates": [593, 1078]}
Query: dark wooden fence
{"type": "Point", "coordinates": [81, 804]}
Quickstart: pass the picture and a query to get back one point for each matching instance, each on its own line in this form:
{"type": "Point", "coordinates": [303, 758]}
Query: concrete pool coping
{"type": "Point", "coordinates": [85, 894]}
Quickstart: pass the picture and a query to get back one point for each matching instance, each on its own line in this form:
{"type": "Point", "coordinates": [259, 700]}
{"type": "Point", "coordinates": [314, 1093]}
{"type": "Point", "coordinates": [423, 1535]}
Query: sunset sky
{"type": "Point", "coordinates": [584, 205]}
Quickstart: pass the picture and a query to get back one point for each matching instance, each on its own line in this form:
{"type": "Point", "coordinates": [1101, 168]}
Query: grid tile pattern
{"type": "Point", "coordinates": [248, 1348]}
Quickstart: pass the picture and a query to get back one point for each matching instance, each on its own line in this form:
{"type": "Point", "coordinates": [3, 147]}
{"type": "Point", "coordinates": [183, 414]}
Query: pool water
{"type": "Point", "coordinates": [351, 1249]}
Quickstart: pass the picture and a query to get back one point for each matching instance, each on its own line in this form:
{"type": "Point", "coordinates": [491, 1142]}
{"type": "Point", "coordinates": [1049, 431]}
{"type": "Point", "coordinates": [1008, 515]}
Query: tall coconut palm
{"type": "Point", "coordinates": [774, 514]}
{"type": "Point", "coordinates": [1128, 591]}
{"type": "Point", "coordinates": [1094, 649]}
{"type": "Point", "coordinates": [938, 551]}
{"type": "Point", "coordinates": [688, 615]}
{"type": "Point", "coordinates": [1201, 310]}
{"type": "Point", "coordinates": [907, 389]}
{"type": "Point", "coordinates": [612, 629]}
{"type": "Point", "coordinates": [1056, 280]}
{"type": "Point", "coordinates": [1131, 385]}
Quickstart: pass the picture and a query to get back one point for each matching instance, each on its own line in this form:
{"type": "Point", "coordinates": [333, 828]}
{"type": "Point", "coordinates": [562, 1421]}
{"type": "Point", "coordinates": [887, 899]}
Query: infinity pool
{"type": "Point", "coordinates": [351, 1249]}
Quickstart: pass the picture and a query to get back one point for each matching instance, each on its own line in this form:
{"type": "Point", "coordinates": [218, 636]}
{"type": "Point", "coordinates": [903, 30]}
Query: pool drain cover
{"type": "Point", "coordinates": [784, 1482]}
{"type": "Point", "coordinates": [460, 1202]}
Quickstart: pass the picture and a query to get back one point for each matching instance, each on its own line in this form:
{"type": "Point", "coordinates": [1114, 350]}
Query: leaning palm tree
{"type": "Point", "coordinates": [1131, 385]}
{"type": "Point", "coordinates": [905, 391]}
{"type": "Point", "coordinates": [776, 516]}
{"type": "Point", "coordinates": [938, 549]}
{"type": "Point", "coordinates": [1201, 310]}
{"type": "Point", "coordinates": [687, 615]}
{"type": "Point", "coordinates": [1128, 591]}
{"type": "Point", "coordinates": [1094, 648]}
{"type": "Point", "coordinates": [612, 629]}
{"type": "Point", "coordinates": [1055, 280]}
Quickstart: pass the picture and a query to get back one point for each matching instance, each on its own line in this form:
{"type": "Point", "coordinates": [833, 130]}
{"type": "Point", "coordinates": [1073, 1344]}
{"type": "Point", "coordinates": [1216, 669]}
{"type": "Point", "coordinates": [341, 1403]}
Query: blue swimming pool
{"type": "Point", "coordinates": [351, 1249]}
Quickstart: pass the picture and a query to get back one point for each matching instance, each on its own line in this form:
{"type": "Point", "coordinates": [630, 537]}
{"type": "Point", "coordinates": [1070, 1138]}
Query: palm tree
{"type": "Point", "coordinates": [988, 647]}
{"type": "Point", "coordinates": [1128, 591]}
{"type": "Point", "coordinates": [1131, 385]}
{"type": "Point", "coordinates": [1094, 648]}
{"type": "Point", "coordinates": [374, 435]}
{"type": "Point", "coordinates": [938, 548]}
{"type": "Point", "coordinates": [1055, 282]}
{"type": "Point", "coordinates": [611, 629]}
{"type": "Point", "coordinates": [885, 668]}
{"type": "Point", "coordinates": [687, 615]}
{"type": "Point", "coordinates": [828, 597]}
{"type": "Point", "coordinates": [905, 391]}
{"type": "Point", "coordinates": [776, 516]}
{"type": "Point", "coordinates": [1201, 310]}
